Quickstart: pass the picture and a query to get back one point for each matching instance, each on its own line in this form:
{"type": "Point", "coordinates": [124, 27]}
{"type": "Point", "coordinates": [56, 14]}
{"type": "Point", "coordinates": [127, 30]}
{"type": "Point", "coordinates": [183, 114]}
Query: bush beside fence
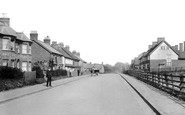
{"type": "Point", "coordinates": [173, 83]}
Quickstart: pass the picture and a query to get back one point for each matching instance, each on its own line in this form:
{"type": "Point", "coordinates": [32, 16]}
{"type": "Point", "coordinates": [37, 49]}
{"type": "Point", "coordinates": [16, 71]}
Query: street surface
{"type": "Point", "coordinates": [106, 94]}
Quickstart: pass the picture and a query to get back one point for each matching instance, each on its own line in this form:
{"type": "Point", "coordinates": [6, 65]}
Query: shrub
{"type": "Point", "coordinates": [59, 72]}
{"type": "Point", "coordinates": [10, 73]}
{"type": "Point", "coordinates": [39, 71]}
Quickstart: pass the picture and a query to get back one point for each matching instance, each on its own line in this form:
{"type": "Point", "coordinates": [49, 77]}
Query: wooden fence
{"type": "Point", "coordinates": [173, 83]}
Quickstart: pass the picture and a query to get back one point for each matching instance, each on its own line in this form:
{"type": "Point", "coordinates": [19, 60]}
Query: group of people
{"type": "Point", "coordinates": [94, 72]}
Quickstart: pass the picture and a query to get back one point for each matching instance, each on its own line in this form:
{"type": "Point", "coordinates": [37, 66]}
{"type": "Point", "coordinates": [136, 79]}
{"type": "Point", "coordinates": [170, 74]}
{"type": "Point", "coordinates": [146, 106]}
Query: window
{"type": "Point", "coordinates": [6, 44]}
{"type": "Point", "coordinates": [18, 49]}
{"type": "Point", "coordinates": [29, 49]}
{"type": "Point", "coordinates": [162, 47]}
{"type": "Point", "coordinates": [12, 63]}
{"type": "Point", "coordinates": [24, 66]}
{"type": "Point", "coordinates": [29, 66]}
{"type": "Point", "coordinates": [12, 44]}
{"type": "Point", "coordinates": [5, 62]}
{"type": "Point", "coordinates": [18, 64]}
{"type": "Point", "coordinates": [24, 49]}
{"type": "Point", "coordinates": [169, 61]}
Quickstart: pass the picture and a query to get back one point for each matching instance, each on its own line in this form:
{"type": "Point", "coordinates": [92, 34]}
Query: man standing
{"type": "Point", "coordinates": [48, 75]}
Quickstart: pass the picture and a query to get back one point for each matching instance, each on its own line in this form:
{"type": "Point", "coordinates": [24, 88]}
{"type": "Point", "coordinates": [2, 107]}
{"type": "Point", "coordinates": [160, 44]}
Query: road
{"type": "Point", "coordinates": [106, 94]}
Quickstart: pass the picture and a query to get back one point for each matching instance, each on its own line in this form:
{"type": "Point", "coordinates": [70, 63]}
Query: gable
{"type": "Point", "coordinates": [163, 51]}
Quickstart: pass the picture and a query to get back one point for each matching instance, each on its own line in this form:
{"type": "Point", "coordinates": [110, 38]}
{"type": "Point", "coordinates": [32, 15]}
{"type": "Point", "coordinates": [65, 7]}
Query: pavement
{"type": "Point", "coordinates": [163, 102]}
{"type": "Point", "coordinates": [13, 94]}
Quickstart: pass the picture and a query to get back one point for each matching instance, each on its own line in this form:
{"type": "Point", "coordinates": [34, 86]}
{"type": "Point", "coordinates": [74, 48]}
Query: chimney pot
{"type": "Point", "coordinates": [47, 40]}
{"type": "Point", "coordinates": [149, 47]}
{"type": "Point", "coordinates": [153, 44]}
{"type": "Point", "coordinates": [159, 39]}
{"type": "Point", "coordinates": [61, 45]}
{"type": "Point", "coordinates": [34, 35]}
{"type": "Point", "coordinates": [176, 47]}
{"type": "Point", "coordinates": [67, 47]}
{"type": "Point", "coordinates": [5, 20]}
{"type": "Point", "coordinates": [181, 46]}
{"type": "Point", "coordinates": [74, 52]}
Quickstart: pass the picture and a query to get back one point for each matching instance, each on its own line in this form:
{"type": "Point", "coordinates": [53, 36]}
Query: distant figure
{"type": "Point", "coordinates": [48, 75]}
{"type": "Point", "coordinates": [91, 72]}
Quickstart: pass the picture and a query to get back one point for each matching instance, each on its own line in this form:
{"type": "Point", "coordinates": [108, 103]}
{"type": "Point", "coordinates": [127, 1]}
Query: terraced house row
{"type": "Point", "coordinates": [17, 50]}
{"type": "Point", "coordinates": [160, 56]}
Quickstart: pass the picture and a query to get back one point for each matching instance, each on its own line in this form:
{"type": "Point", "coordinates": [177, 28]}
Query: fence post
{"type": "Point", "coordinates": [181, 86]}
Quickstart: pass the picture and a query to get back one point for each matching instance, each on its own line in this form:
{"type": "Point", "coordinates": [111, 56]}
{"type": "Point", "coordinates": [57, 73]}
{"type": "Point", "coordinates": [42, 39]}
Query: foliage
{"type": "Point", "coordinates": [10, 73]}
{"type": "Point", "coordinates": [59, 72]}
{"type": "Point", "coordinates": [39, 71]}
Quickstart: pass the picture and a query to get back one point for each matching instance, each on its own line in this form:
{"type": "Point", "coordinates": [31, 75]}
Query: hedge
{"type": "Point", "coordinates": [10, 73]}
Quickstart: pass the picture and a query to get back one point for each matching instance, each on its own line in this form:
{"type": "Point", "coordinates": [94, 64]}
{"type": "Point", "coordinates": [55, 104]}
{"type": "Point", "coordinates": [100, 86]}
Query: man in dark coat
{"type": "Point", "coordinates": [48, 75]}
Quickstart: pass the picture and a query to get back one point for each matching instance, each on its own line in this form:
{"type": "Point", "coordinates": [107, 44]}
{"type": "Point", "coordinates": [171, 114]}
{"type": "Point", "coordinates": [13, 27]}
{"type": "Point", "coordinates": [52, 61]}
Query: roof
{"type": "Point", "coordinates": [6, 30]}
{"type": "Point", "coordinates": [98, 66]}
{"type": "Point", "coordinates": [88, 66]}
{"type": "Point", "coordinates": [21, 36]}
{"type": "Point", "coordinates": [154, 47]}
{"type": "Point", "coordinates": [182, 55]}
{"type": "Point", "coordinates": [61, 50]}
{"type": "Point", "coordinates": [80, 59]}
{"type": "Point", "coordinates": [47, 47]}
{"type": "Point", "coordinates": [71, 54]}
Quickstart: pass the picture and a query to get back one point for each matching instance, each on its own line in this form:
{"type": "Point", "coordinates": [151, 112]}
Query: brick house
{"type": "Point", "coordinates": [68, 61]}
{"type": "Point", "coordinates": [42, 52]}
{"type": "Point", "coordinates": [159, 55]}
{"type": "Point", "coordinates": [15, 48]}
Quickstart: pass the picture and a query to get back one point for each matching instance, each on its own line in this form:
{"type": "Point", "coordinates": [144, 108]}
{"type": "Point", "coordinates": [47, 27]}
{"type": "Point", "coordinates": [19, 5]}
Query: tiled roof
{"type": "Point", "coordinates": [6, 30]}
{"type": "Point", "coordinates": [80, 59]}
{"type": "Point", "coordinates": [154, 47]}
{"type": "Point", "coordinates": [61, 50]}
{"type": "Point", "coordinates": [21, 36]}
{"type": "Point", "coordinates": [47, 47]}
{"type": "Point", "coordinates": [88, 66]}
{"type": "Point", "coordinates": [71, 54]}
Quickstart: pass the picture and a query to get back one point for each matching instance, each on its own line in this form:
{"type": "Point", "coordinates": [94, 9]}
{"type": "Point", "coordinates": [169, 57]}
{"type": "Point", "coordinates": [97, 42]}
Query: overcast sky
{"type": "Point", "coordinates": [101, 30]}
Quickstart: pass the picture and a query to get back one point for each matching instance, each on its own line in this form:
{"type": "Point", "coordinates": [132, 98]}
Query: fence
{"type": "Point", "coordinates": [173, 83]}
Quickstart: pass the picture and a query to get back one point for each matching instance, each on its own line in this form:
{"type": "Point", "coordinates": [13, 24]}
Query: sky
{"type": "Point", "coordinates": [107, 31]}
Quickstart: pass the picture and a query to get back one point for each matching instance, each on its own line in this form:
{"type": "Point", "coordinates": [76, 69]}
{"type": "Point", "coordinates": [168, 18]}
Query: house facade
{"type": "Point", "coordinates": [160, 55]}
{"type": "Point", "coordinates": [15, 48]}
{"type": "Point", "coordinates": [45, 54]}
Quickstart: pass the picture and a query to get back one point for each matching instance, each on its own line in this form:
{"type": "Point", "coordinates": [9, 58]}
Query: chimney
{"type": "Point", "coordinates": [61, 45]}
{"type": "Point", "coordinates": [176, 47]}
{"type": "Point", "coordinates": [78, 54]}
{"type": "Point", "coordinates": [181, 47]}
{"type": "Point", "coordinates": [47, 40]}
{"type": "Point", "coordinates": [74, 52]}
{"type": "Point", "coordinates": [67, 47]}
{"type": "Point", "coordinates": [159, 39]}
{"type": "Point", "coordinates": [149, 47]}
{"type": "Point", "coordinates": [5, 20]}
{"type": "Point", "coordinates": [173, 47]}
{"type": "Point", "coordinates": [153, 44]}
{"type": "Point", "coordinates": [34, 35]}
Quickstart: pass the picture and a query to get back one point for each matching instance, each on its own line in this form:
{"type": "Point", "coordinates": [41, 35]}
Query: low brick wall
{"type": "Point", "coordinates": [30, 76]}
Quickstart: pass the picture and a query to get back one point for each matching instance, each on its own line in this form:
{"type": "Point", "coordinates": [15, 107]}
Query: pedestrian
{"type": "Point", "coordinates": [48, 75]}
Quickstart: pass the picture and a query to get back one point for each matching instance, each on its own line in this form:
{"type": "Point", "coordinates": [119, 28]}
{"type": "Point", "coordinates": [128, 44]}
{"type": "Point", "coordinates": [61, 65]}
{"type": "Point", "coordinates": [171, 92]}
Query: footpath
{"type": "Point", "coordinates": [161, 101]}
{"type": "Point", "coordinates": [6, 96]}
